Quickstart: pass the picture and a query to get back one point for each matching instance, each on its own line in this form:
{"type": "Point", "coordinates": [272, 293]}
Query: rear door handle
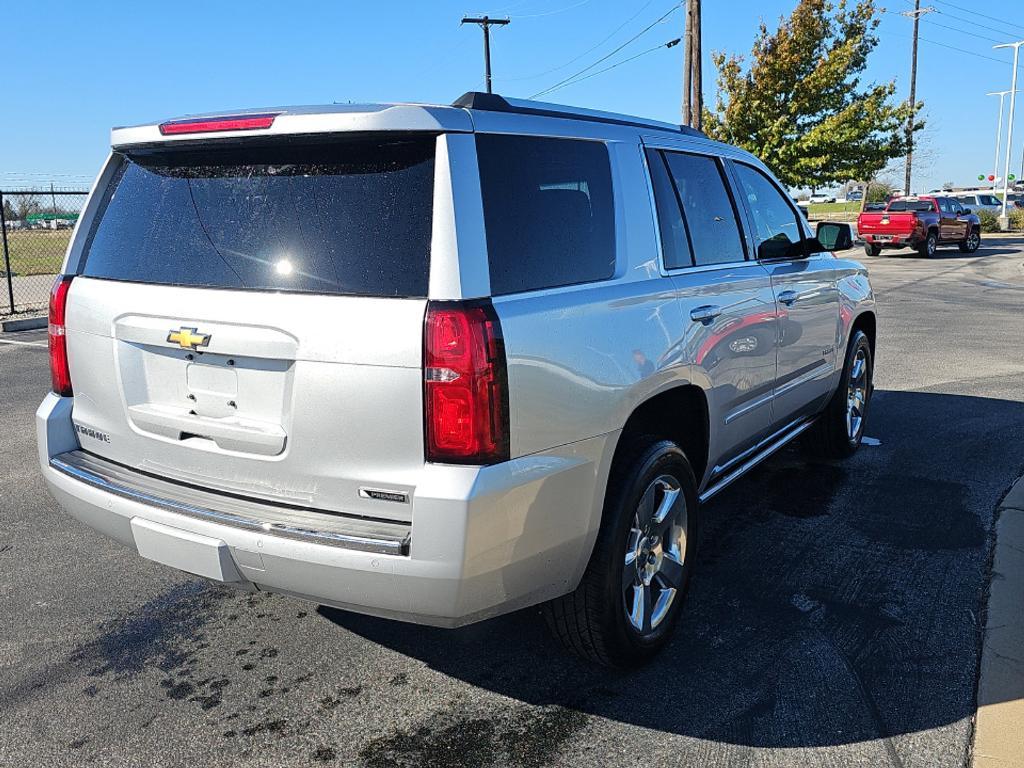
{"type": "Point", "coordinates": [788, 298]}
{"type": "Point", "coordinates": [705, 314]}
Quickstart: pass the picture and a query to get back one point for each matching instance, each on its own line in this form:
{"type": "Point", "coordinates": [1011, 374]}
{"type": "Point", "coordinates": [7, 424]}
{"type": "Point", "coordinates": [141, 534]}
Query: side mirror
{"type": "Point", "coordinates": [834, 236]}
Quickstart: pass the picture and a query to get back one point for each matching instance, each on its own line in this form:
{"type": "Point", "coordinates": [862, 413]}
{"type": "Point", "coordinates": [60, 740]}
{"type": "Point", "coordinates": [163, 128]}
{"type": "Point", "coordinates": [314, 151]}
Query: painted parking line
{"type": "Point", "coordinates": [23, 343]}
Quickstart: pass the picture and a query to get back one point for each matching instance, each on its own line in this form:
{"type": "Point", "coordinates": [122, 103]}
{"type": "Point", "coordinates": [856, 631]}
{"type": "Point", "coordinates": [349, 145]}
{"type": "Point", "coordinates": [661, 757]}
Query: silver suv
{"type": "Point", "coordinates": [437, 363]}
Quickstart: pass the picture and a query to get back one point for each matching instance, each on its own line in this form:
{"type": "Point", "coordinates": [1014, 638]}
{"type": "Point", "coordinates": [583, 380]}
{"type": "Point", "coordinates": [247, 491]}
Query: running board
{"type": "Point", "coordinates": [773, 444]}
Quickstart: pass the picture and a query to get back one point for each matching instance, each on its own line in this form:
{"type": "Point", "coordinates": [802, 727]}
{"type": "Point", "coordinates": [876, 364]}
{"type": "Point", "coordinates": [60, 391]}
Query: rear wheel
{"type": "Point", "coordinates": [839, 429]}
{"type": "Point", "coordinates": [872, 250]}
{"type": "Point", "coordinates": [972, 242]}
{"type": "Point", "coordinates": [631, 594]}
{"type": "Point", "coordinates": [929, 245]}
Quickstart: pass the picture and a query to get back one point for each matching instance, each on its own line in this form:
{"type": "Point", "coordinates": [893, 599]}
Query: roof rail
{"type": "Point", "coordinates": [492, 102]}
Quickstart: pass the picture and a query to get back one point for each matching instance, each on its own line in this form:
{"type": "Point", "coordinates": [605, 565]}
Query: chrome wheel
{"type": "Point", "coordinates": [931, 244]}
{"type": "Point", "coordinates": [652, 574]}
{"type": "Point", "coordinates": [973, 241]}
{"type": "Point", "coordinates": [857, 395]}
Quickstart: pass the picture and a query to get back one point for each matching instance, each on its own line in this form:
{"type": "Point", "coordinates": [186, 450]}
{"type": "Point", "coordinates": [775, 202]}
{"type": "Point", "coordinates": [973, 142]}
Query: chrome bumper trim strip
{"type": "Point", "coordinates": [390, 544]}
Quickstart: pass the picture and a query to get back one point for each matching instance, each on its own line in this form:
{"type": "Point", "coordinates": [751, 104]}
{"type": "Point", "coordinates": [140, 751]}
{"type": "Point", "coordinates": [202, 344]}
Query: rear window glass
{"type": "Point", "coordinates": [911, 205]}
{"type": "Point", "coordinates": [548, 211]}
{"type": "Point", "coordinates": [345, 218]}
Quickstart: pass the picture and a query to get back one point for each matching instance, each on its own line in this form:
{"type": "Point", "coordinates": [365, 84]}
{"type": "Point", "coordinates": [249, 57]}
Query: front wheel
{"type": "Point", "coordinates": [631, 595]}
{"type": "Point", "coordinates": [971, 243]}
{"type": "Point", "coordinates": [839, 429]}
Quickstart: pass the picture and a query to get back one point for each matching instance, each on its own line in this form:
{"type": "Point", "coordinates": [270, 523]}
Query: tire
{"type": "Point", "coordinates": [874, 251]}
{"type": "Point", "coordinates": [833, 435]}
{"type": "Point", "coordinates": [929, 245]}
{"type": "Point", "coordinates": [972, 243]}
{"type": "Point", "coordinates": [606, 620]}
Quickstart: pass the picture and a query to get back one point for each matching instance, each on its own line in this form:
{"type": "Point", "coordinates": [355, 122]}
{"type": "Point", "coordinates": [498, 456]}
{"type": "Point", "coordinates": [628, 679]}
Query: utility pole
{"type": "Point", "coordinates": [1003, 221]}
{"type": "Point", "coordinates": [916, 15]}
{"type": "Point", "coordinates": [693, 93]}
{"type": "Point", "coordinates": [486, 22]}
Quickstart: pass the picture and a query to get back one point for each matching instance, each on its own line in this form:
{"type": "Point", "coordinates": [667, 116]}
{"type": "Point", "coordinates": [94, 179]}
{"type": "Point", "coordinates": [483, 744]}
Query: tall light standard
{"type": "Point", "coordinates": [1003, 221]}
{"type": "Point", "coordinates": [999, 136]}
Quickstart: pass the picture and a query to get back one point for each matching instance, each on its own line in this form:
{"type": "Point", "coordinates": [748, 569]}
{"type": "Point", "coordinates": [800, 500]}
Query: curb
{"type": "Point", "coordinates": [24, 324]}
{"type": "Point", "coordinates": [998, 740]}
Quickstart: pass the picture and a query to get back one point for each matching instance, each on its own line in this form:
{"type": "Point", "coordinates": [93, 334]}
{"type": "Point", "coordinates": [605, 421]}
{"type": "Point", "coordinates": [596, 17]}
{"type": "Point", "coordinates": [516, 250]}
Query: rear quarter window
{"type": "Point", "coordinates": [347, 217]}
{"type": "Point", "coordinates": [548, 211]}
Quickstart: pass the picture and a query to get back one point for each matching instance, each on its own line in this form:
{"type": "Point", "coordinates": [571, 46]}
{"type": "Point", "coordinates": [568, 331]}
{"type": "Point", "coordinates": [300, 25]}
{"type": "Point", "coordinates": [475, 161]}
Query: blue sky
{"type": "Point", "coordinates": [74, 69]}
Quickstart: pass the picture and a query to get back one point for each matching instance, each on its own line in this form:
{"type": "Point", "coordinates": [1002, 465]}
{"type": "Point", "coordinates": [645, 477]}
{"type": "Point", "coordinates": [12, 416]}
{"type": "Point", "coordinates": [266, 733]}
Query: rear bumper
{"type": "Point", "coordinates": [891, 241]}
{"type": "Point", "coordinates": [483, 541]}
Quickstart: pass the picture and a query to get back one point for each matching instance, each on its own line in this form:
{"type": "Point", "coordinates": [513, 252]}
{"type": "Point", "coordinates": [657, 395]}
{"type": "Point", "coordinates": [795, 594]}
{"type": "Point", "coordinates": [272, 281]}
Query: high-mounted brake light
{"type": "Point", "coordinates": [465, 389]}
{"type": "Point", "coordinates": [60, 374]}
{"type": "Point", "coordinates": [214, 124]}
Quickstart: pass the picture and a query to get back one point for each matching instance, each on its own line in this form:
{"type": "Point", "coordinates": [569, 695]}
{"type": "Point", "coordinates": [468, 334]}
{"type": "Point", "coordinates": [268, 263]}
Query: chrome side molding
{"type": "Point", "coordinates": [762, 452]}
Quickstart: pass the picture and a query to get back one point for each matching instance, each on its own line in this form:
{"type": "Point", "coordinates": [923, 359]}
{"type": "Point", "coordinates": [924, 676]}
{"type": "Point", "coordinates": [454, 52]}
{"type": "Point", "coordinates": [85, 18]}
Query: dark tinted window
{"type": "Point", "coordinates": [348, 217]}
{"type": "Point", "coordinates": [775, 223]}
{"type": "Point", "coordinates": [708, 208]}
{"type": "Point", "coordinates": [911, 205]}
{"type": "Point", "coordinates": [675, 242]}
{"type": "Point", "coordinates": [548, 211]}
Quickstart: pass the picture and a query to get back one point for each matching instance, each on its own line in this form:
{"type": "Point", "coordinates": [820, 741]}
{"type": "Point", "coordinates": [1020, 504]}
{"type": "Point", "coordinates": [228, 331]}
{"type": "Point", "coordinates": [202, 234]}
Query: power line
{"type": "Point", "coordinates": [973, 22]}
{"type": "Point", "coordinates": [976, 13]}
{"type": "Point", "coordinates": [669, 44]}
{"type": "Point", "coordinates": [552, 13]}
{"type": "Point", "coordinates": [954, 48]}
{"type": "Point", "coordinates": [604, 58]}
{"type": "Point", "coordinates": [580, 56]}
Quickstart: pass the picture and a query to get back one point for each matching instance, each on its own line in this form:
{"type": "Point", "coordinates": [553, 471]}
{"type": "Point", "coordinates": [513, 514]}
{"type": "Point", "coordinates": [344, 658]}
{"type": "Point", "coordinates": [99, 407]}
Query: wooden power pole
{"type": "Point", "coordinates": [486, 22]}
{"type": "Point", "coordinates": [693, 93]}
{"type": "Point", "coordinates": [916, 15]}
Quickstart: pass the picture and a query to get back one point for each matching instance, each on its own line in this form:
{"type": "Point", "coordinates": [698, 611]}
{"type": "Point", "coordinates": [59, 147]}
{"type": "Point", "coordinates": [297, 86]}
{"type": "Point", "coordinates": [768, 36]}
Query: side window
{"type": "Point", "coordinates": [778, 231]}
{"type": "Point", "coordinates": [675, 242]}
{"type": "Point", "coordinates": [956, 207]}
{"type": "Point", "coordinates": [991, 200]}
{"type": "Point", "coordinates": [548, 211]}
{"type": "Point", "coordinates": [707, 208]}
{"type": "Point", "coordinates": [944, 205]}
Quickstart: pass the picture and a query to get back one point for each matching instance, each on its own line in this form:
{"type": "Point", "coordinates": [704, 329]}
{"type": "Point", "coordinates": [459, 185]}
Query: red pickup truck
{"type": "Point", "coordinates": [923, 223]}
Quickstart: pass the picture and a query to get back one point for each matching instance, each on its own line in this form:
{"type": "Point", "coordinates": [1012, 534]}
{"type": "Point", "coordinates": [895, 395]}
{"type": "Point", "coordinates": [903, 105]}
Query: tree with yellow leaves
{"type": "Point", "coordinates": [801, 105]}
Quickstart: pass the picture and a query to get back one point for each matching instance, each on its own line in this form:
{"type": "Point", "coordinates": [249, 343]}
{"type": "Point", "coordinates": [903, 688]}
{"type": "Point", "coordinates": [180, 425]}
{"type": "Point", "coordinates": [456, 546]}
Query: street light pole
{"type": "Point", "coordinates": [1009, 128]}
{"type": "Point", "coordinates": [999, 135]}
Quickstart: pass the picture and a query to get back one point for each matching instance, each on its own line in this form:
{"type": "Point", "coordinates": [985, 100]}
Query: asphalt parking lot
{"type": "Point", "coordinates": [835, 618]}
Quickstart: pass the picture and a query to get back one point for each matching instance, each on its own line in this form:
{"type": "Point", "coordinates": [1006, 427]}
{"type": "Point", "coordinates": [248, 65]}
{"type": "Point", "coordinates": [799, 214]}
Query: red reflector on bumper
{"type": "Point", "coordinates": [214, 124]}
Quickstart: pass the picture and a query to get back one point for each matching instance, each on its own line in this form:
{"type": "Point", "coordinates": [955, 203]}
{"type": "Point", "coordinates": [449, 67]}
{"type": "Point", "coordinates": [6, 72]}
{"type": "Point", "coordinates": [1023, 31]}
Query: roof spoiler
{"type": "Point", "coordinates": [492, 102]}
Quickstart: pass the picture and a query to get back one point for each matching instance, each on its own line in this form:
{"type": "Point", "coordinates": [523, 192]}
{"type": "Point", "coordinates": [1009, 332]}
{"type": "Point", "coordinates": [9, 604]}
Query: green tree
{"type": "Point", "coordinates": [801, 105]}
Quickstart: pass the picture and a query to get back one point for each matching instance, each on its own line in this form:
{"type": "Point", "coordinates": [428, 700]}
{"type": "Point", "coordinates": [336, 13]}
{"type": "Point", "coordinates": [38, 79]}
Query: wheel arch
{"type": "Point", "coordinates": [679, 414]}
{"type": "Point", "coordinates": [867, 322]}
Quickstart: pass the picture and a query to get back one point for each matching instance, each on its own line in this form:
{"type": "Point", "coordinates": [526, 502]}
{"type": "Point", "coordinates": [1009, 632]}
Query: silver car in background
{"type": "Point", "coordinates": [438, 363]}
{"type": "Point", "coordinates": [977, 201]}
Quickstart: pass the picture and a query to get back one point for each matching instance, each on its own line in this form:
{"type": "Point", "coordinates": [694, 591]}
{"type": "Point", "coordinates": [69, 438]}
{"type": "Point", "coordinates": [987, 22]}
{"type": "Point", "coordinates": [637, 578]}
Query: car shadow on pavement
{"type": "Point", "coordinates": [833, 602]}
{"type": "Point", "coordinates": [948, 254]}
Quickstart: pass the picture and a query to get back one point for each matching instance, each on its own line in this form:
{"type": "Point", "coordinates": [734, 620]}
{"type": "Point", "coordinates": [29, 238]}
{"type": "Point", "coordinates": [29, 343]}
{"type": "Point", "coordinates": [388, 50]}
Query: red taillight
{"type": "Point", "coordinates": [60, 375]}
{"type": "Point", "coordinates": [214, 124]}
{"type": "Point", "coordinates": [465, 390]}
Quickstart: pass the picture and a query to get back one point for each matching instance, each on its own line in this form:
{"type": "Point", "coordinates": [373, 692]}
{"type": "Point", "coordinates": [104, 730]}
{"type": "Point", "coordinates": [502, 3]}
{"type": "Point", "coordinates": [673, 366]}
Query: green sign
{"type": "Point", "coordinates": [52, 217]}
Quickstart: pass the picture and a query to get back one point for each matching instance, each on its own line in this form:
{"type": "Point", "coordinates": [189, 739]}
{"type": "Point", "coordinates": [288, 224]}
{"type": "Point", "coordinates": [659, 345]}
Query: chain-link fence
{"type": "Point", "coordinates": [36, 225]}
